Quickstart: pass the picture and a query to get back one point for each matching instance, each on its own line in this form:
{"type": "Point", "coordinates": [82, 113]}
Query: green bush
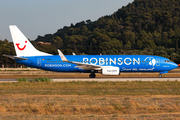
{"type": "Point", "coordinates": [34, 80]}
{"type": "Point", "coordinates": [22, 79]}
{"type": "Point", "coordinates": [42, 79]}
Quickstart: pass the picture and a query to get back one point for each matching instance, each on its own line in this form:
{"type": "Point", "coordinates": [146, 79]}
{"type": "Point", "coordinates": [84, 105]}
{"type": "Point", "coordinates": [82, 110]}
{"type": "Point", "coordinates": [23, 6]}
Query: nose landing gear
{"type": "Point", "coordinates": [160, 76]}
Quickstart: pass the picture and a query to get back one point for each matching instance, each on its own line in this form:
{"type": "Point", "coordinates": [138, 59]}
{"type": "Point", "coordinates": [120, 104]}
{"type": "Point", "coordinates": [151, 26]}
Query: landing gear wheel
{"type": "Point", "coordinates": [92, 75]}
{"type": "Point", "coordinates": [160, 76]}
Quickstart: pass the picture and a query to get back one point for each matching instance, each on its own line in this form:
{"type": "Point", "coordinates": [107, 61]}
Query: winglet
{"type": "Point", "coordinates": [64, 59]}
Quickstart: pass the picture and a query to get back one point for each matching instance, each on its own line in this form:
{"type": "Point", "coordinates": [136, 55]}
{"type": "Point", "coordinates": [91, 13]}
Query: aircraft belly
{"type": "Point", "coordinates": [60, 69]}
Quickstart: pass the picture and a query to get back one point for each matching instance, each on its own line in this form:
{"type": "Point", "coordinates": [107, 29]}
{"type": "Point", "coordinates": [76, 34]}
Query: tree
{"type": "Point", "coordinates": [177, 37]}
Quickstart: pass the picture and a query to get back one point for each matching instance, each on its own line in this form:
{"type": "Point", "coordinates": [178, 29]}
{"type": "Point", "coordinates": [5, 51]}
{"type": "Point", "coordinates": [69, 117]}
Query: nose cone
{"type": "Point", "coordinates": [174, 65]}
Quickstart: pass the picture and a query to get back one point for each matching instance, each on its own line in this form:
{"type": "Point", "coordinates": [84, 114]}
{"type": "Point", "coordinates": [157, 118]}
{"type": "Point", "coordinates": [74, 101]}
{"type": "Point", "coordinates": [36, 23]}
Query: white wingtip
{"type": "Point", "coordinates": [62, 56]}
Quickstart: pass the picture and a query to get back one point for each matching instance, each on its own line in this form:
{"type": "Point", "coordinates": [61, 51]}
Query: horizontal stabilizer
{"type": "Point", "coordinates": [15, 57]}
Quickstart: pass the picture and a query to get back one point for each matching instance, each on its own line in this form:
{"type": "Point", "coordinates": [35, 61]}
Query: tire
{"type": "Point", "coordinates": [92, 75]}
{"type": "Point", "coordinates": [160, 76]}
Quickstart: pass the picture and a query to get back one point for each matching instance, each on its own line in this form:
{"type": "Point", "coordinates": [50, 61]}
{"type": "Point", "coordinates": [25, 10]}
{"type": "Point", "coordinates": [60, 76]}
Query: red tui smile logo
{"type": "Point", "coordinates": [21, 48]}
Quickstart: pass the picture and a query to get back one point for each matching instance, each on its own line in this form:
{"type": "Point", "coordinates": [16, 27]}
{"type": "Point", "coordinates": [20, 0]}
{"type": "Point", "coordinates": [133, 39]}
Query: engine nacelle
{"type": "Point", "coordinates": [110, 71]}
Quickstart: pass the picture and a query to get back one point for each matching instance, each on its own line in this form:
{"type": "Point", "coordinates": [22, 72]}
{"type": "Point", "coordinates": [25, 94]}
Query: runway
{"type": "Point", "coordinates": [102, 79]}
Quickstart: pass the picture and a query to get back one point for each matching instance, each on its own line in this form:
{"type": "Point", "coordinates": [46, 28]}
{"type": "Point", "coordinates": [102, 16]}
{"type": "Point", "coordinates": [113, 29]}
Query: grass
{"type": "Point", "coordinates": [92, 88]}
{"type": "Point", "coordinates": [90, 100]}
{"type": "Point", "coordinates": [89, 106]}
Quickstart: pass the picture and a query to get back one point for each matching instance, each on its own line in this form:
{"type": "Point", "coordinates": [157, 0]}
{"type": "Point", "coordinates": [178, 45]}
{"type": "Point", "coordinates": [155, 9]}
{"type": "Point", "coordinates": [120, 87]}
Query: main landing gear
{"type": "Point", "coordinates": [92, 75]}
{"type": "Point", "coordinates": [160, 76]}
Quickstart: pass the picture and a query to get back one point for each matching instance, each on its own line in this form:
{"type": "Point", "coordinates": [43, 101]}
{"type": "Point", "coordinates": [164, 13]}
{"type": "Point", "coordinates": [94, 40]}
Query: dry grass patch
{"type": "Point", "coordinates": [125, 107]}
{"type": "Point", "coordinates": [90, 100]}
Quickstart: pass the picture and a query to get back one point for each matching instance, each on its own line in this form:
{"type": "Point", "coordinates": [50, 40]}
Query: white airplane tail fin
{"type": "Point", "coordinates": [22, 45]}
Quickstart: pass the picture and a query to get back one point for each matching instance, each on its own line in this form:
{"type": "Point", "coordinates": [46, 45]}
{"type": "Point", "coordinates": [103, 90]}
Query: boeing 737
{"type": "Point", "coordinates": [28, 55]}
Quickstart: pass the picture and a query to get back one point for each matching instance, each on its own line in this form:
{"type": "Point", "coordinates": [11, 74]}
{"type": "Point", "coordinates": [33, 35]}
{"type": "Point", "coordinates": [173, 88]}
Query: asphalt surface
{"type": "Point", "coordinates": [102, 79]}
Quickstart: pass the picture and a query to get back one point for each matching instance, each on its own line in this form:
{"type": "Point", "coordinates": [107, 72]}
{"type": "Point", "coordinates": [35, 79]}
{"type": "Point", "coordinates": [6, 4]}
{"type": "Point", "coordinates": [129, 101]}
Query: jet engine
{"type": "Point", "coordinates": [110, 71]}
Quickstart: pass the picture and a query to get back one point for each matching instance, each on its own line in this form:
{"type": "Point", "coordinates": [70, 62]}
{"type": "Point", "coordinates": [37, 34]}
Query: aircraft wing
{"type": "Point", "coordinates": [83, 66]}
{"type": "Point", "coordinates": [15, 57]}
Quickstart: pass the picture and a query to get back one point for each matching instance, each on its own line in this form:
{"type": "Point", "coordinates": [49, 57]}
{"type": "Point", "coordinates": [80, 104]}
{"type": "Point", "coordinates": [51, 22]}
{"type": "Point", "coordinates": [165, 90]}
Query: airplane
{"type": "Point", "coordinates": [107, 65]}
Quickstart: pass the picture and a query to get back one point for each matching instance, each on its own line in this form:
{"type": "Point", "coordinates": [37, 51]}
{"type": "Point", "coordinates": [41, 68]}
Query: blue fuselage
{"type": "Point", "coordinates": [126, 63]}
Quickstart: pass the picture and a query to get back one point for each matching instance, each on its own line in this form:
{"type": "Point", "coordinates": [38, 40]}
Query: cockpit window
{"type": "Point", "coordinates": [167, 60]}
